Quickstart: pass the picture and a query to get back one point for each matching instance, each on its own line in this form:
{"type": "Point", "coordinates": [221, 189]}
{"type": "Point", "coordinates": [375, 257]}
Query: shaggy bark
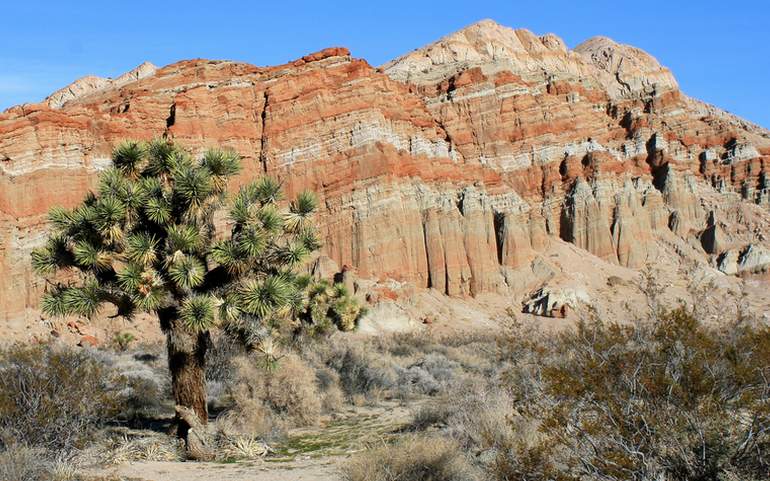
{"type": "Point", "coordinates": [187, 364]}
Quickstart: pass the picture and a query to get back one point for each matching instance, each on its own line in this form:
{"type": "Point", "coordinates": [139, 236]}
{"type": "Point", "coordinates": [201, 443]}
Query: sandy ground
{"type": "Point", "coordinates": [307, 454]}
{"type": "Point", "coordinates": [319, 469]}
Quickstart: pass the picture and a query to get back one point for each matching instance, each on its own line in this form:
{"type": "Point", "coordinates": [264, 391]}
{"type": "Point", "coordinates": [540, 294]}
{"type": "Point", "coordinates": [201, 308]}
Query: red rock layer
{"type": "Point", "coordinates": [448, 168]}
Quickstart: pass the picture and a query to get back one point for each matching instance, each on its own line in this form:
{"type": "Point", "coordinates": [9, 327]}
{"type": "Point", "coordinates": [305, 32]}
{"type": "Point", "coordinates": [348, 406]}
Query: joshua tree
{"type": "Point", "coordinates": [147, 241]}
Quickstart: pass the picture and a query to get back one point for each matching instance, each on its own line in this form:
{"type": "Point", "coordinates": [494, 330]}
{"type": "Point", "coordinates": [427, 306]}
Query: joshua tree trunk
{"type": "Point", "coordinates": [186, 361]}
{"type": "Point", "coordinates": [187, 366]}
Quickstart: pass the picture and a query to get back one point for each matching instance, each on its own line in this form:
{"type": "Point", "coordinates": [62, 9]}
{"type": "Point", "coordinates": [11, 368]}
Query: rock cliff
{"type": "Point", "coordinates": [453, 167]}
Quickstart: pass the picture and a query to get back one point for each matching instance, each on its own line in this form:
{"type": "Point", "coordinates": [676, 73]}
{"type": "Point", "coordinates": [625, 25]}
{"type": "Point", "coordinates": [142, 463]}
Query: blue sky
{"type": "Point", "coordinates": [719, 51]}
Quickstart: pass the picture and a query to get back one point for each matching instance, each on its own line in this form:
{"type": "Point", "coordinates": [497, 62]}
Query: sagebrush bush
{"type": "Point", "coordinates": [672, 399]}
{"type": "Point", "coordinates": [361, 372]}
{"type": "Point", "coordinates": [414, 458]}
{"type": "Point", "coordinates": [433, 414]}
{"type": "Point", "coordinates": [54, 397]}
{"type": "Point", "coordinates": [144, 382]}
{"type": "Point", "coordinates": [429, 375]}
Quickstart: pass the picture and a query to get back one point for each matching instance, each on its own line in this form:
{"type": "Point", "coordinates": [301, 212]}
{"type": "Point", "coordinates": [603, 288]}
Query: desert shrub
{"type": "Point", "coordinates": [433, 414]}
{"type": "Point", "coordinates": [143, 396]}
{"type": "Point", "coordinates": [415, 458]}
{"type": "Point", "coordinates": [220, 369]}
{"type": "Point", "coordinates": [121, 341]}
{"type": "Point", "coordinates": [265, 401]}
{"type": "Point", "coordinates": [428, 376]}
{"type": "Point", "coordinates": [439, 367]}
{"type": "Point", "coordinates": [328, 380]}
{"type": "Point", "coordinates": [481, 418]}
{"type": "Point", "coordinates": [361, 372]}
{"type": "Point", "coordinates": [123, 448]}
{"type": "Point", "coordinates": [54, 397]}
{"type": "Point", "coordinates": [291, 390]}
{"type": "Point", "coordinates": [145, 386]}
{"type": "Point", "coordinates": [409, 344]}
{"type": "Point", "coordinates": [415, 380]}
{"type": "Point", "coordinates": [671, 399]}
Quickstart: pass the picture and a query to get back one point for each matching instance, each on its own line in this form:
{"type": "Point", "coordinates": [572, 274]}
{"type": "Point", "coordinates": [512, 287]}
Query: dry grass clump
{"type": "Point", "coordinates": [291, 390]}
{"type": "Point", "coordinates": [414, 458]}
{"type": "Point", "coordinates": [241, 447]}
{"type": "Point", "coordinates": [149, 447]}
{"type": "Point", "coordinates": [265, 400]}
{"type": "Point", "coordinates": [22, 463]}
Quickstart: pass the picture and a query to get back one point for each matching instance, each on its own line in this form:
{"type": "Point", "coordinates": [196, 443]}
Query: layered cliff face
{"type": "Point", "coordinates": [453, 167]}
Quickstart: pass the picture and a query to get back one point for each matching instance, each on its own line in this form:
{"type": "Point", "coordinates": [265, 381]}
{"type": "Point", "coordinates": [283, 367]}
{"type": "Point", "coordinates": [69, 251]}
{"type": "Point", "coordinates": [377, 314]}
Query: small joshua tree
{"type": "Point", "coordinates": [147, 241]}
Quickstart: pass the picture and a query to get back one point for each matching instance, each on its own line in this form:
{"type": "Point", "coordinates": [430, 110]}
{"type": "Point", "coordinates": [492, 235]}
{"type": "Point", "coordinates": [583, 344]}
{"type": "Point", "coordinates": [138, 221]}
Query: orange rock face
{"type": "Point", "coordinates": [447, 168]}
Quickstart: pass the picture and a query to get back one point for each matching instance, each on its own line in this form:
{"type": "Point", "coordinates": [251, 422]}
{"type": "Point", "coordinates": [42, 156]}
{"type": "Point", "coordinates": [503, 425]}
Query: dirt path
{"type": "Point", "coordinates": [308, 454]}
{"type": "Point", "coordinates": [302, 470]}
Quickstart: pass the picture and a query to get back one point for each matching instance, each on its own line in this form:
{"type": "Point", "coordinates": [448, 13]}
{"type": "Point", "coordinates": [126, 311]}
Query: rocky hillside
{"type": "Point", "coordinates": [457, 167]}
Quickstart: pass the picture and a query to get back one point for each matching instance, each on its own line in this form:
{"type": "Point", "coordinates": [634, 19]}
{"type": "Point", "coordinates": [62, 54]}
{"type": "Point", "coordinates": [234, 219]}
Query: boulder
{"type": "Point", "coordinates": [554, 302]}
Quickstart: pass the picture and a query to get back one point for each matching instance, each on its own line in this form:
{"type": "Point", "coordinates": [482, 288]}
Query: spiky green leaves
{"type": "Point", "coordinates": [141, 249]}
{"type": "Point", "coordinates": [82, 301]}
{"type": "Point", "coordinates": [241, 210]}
{"type": "Point", "coordinates": [54, 255]}
{"type": "Point", "coordinates": [109, 211]}
{"type": "Point", "coordinates": [159, 158]}
{"type": "Point", "coordinates": [330, 305]}
{"type": "Point", "coordinates": [305, 204]}
{"type": "Point", "coordinates": [309, 238]}
{"type": "Point", "coordinates": [158, 210]}
{"type": "Point", "coordinates": [60, 218]}
{"type": "Point", "coordinates": [192, 187]}
{"type": "Point", "coordinates": [186, 238]}
{"type": "Point", "coordinates": [113, 183]}
{"type": "Point", "coordinates": [130, 278]}
{"type": "Point", "coordinates": [267, 190]}
{"type": "Point", "coordinates": [300, 211]}
{"type": "Point", "coordinates": [270, 219]}
{"type": "Point", "coordinates": [128, 156]}
{"type": "Point", "coordinates": [294, 254]}
{"type": "Point", "coordinates": [187, 272]}
{"type": "Point", "coordinates": [54, 304]}
{"type": "Point", "coordinates": [252, 242]}
{"type": "Point", "coordinates": [91, 257]}
{"type": "Point", "coordinates": [227, 254]}
{"type": "Point", "coordinates": [198, 312]}
{"type": "Point", "coordinates": [222, 164]}
{"type": "Point", "coordinates": [110, 218]}
{"type": "Point", "coordinates": [143, 285]}
{"type": "Point", "coordinates": [256, 202]}
{"type": "Point", "coordinates": [270, 295]}
{"type": "Point", "coordinates": [230, 309]}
